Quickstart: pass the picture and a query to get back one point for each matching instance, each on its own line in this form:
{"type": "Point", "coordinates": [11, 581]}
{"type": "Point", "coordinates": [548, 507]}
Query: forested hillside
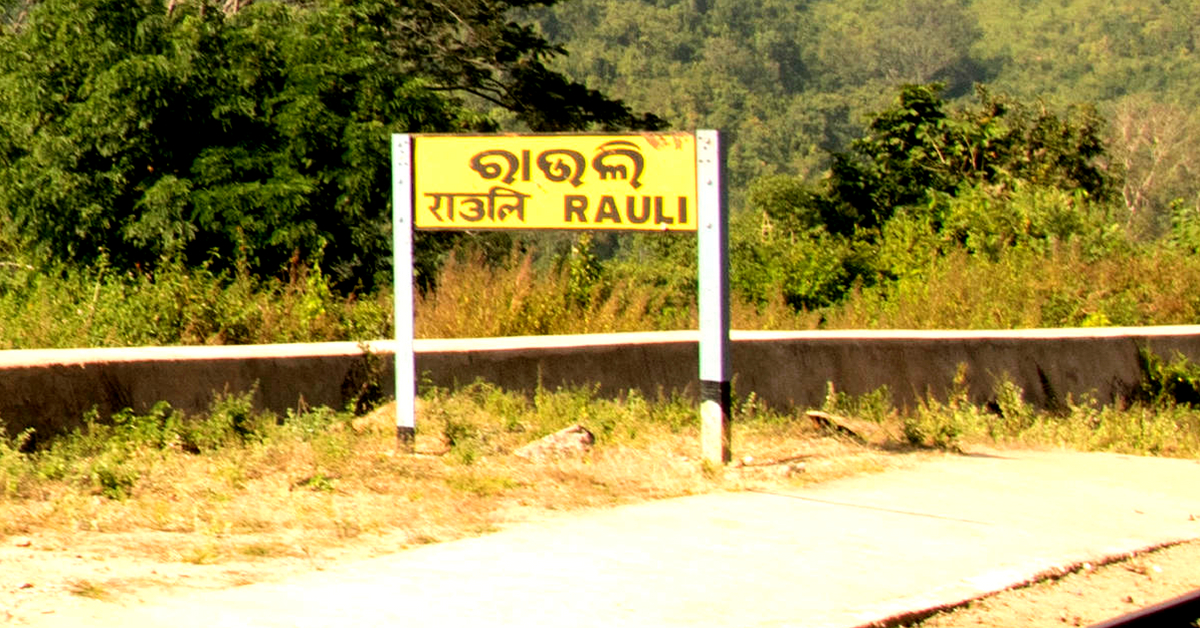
{"type": "Point", "coordinates": [789, 81]}
{"type": "Point", "coordinates": [978, 163]}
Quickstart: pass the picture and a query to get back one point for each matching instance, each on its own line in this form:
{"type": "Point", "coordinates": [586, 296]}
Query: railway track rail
{"type": "Point", "coordinates": [1180, 612]}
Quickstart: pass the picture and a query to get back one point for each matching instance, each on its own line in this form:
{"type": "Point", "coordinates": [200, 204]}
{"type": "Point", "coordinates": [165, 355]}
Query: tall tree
{"type": "Point", "coordinates": [134, 129]}
{"type": "Point", "coordinates": [919, 145]}
{"type": "Point", "coordinates": [1155, 145]}
{"type": "Point", "coordinates": [892, 43]}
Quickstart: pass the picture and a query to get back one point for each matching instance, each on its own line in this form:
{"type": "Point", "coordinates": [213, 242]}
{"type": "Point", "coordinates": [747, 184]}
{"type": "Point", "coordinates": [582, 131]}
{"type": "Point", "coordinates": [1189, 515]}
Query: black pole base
{"type": "Point", "coordinates": [406, 438]}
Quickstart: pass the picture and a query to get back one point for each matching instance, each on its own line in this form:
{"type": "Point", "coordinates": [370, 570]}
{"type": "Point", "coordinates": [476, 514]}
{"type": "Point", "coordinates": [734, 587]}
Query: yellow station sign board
{"type": "Point", "coordinates": [642, 182]}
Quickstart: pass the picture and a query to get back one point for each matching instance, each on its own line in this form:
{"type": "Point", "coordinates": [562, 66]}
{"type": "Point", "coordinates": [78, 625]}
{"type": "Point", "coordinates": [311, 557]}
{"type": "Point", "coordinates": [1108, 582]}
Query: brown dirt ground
{"type": "Point", "coordinates": [1087, 596]}
{"type": "Point", "coordinates": [44, 573]}
{"type": "Point", "coordinates": [40, 575]}
{"type": "Point", "coordinates": [47, 572]}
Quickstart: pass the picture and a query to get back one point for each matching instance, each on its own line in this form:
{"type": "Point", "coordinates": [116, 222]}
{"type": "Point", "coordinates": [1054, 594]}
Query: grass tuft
{"type": "Point", "coordinates": [88, 589]}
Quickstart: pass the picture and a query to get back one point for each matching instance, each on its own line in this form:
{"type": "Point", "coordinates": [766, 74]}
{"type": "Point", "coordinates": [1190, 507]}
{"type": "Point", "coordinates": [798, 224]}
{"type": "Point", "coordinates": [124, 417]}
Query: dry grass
{"type": "Point", "coordinates": [233, 498]}
{"type": "Point", "coordinates": [323, 481]}
{"type": "Point", "coordinates": [238, 487]}
{"type": "Point", "coordinates": [1026, 289]}
{"type": "Point", "coordinates": [476, 300]}
{"type": "Point", "coordinates": [249, 496]}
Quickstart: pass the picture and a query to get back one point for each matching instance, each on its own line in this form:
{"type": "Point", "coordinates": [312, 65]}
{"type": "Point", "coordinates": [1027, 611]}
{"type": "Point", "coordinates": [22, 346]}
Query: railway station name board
{"type": "Point", "coordinates": [637, 182]}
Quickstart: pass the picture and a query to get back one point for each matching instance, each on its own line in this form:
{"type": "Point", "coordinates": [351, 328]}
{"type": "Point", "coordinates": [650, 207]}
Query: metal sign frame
{"type": "Point", "coordinates": [713, 299]}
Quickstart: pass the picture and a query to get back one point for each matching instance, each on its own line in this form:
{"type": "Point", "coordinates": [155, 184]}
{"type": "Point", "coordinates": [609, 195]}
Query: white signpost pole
{"type": "Point", "coordinates": [713, 263]}
{"type": "Point", "coordinates": [402, 243]}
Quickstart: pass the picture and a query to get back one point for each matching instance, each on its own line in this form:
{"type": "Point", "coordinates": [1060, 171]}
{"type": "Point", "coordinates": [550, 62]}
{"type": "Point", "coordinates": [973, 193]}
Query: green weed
{"type": "Point", "coordinates": [1160, 419]}
{"type": "Point", "coordinates": [1175, 382]}
{"type": "Point", "coordinates": [177, 304]}
{"type": "Point", "coordinates": [15, 464]}
{"type": "Point", "coordinates": [481, 485]}
{"type": "Point", "coordinates": [263, 550]}
{"type": "Point", "coordinates": [204, 554]}
{"type": "Point", "coordinates": [88, 589]}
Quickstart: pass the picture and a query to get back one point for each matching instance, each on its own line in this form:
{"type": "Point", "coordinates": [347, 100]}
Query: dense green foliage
{"type": "Point", "coordinates": [136, 131]}
{"type": "Point", "coordinates": [137, 135]}
{"type": "Point", "coordinates": [791, 81]}
{"type": "Point", "coordinates": [875, 147]}
{"type": "Point", "coordinates": [916, 149]}
{"type": "Point", "coordinates": [104, 307]}
{"type": "Point", "coordinates": [926, 179]}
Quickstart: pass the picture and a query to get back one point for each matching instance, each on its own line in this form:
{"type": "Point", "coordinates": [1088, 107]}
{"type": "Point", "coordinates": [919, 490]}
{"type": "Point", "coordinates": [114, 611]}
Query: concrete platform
{"type": "Point", "coordinates": [841, 555]}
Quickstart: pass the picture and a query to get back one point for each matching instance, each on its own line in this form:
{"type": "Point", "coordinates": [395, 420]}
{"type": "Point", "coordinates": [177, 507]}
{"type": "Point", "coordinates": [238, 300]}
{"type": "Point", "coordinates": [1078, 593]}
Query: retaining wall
{"type": "Point", "coordinates": [51, 390]}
